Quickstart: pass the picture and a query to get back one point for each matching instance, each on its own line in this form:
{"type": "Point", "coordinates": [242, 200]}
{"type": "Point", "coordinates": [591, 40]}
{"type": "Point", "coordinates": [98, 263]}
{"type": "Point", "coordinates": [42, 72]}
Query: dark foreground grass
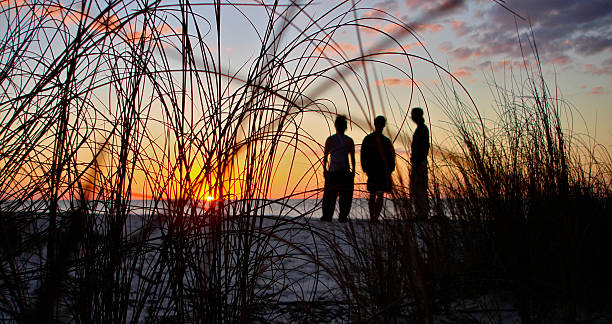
{"type": "Point", "coordinates": [520, 223]}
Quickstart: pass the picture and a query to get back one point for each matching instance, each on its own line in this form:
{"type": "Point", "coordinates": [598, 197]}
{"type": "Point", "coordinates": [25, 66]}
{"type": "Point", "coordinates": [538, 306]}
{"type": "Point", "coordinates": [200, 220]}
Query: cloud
{"type": "Point", "coordinates": [559, 26]}
{"type": "Point", "coordinates": [396, 82]}
{"type": "Point", "coordinates": [462, 53]}
{"type": "Point", "coordinates": [403, 48]}
{"type": "Point", "coordinates": [73, 15]}
{"type": "Point", "coordinates": [106, 23]}
{"type": "Point", "coordinates": [504, 64]}
{"type": "Point", "coordinates": [387, 5]}
{"type": "Point", "coordinates": [433, 8]}
{"type": "Point", "coordinates": [11, 3]}
{"type": "Point", "coordinates": [563, 30]}
{"type": "Point", "coordinates": [599, 90]}
{"type": "Point", "coordinates": [148, 34]}
{"type": "Point", "coordinates": [415, 4]}
{"type": "Point", "coordinates": [446, 46]}
{"type": "Point", "coordinates": [603, 70]}
{"type": "Point", "coordinates": [337, 47]}
{"type": "Point", "coordinates": [434, 27]}
{"type": "Point", "coordinates": [592, 44]}
{"type": "Point", "coordinates": [460, 28]}
{"type": "Point", "coordinates": [390, 28]}
{"type": "Point", "coordinates": [559, 60]}
{"type": "Point", "coordinates": [379, 9]}
{"type": "Point", "coordinates": [462, 73]}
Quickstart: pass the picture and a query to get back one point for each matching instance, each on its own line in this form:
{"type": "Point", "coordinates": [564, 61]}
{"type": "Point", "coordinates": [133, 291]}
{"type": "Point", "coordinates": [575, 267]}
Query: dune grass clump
{"type": "Point", "coordinates": [530, 197]}
{"type": "Point", "coordinates": [520, 212]}
{"type": "Point", "coordinates": [102, 101]}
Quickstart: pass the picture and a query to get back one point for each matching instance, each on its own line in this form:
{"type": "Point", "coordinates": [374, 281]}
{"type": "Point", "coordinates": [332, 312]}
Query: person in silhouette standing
{"type": "Point", "coordinates": [339, 176]}
{"type": "Point", "coordinates": [378, 162]}
{"type": "Point", "coordinates": [418, 159]}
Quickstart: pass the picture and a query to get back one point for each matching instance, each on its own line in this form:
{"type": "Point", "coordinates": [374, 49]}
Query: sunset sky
{"type": "Point", "coordinates": [478, 40]}
{"type": "Point", "coordinates": [475, 40]}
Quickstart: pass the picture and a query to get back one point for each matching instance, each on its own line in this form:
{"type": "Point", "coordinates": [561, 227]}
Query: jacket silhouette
{"type": "Point", "coordinates": [378, 161]}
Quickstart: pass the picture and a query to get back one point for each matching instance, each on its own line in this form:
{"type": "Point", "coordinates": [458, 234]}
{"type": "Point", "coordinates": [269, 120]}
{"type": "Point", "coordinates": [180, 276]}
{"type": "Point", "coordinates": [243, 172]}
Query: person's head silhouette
{"type": "Point", "coordinates": [379, 124]}
{"type": "Point", "coordinates": [341, 124]}
{"type": "Point", "coordinates": [417, 115]}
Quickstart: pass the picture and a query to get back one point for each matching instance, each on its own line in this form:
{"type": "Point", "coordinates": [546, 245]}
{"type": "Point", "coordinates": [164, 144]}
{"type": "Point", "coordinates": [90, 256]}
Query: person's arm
{"type": "Point", "coordinates": [391, 157]}
{"type": "Point", "coordinates": [352, 153]}
{"type": "Point", "coordinates": [364, 155]}
{"type": "Point", "coordinates": [325, 156]}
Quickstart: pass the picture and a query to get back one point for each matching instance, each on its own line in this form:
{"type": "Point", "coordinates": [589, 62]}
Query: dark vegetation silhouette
{"type": "Point", "coordinates": [99, 99]}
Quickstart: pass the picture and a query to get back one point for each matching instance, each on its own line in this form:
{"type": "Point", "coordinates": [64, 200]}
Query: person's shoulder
{"type": "Point", "coordinates": [350, 141]}
{"type": "Point", "coordinates": [368, 137]}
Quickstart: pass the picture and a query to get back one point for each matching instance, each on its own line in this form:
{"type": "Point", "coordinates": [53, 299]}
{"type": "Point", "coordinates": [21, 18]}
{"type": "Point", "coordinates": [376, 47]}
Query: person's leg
{"type": "Point", "coordinates": [346, 197]}
{"type": "Point", "coordinates": [375, 205]}
{"type": "Point", "coordinates": [330, 192]}
{"type": "Point", "coordinates": [380, 199]}
{"type": "Point", "coordinates": [371, 206]}
{"type": "Point", "coordinates": [418, 191]}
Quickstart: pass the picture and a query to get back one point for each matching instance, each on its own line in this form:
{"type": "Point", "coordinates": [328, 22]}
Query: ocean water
{"type": "Point", "coordinates": [308, 208]}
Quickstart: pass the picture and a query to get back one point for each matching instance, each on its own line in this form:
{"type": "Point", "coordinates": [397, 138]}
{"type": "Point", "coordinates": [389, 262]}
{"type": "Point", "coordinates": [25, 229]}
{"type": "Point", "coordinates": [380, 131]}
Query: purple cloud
{"type": "Point", "coordinates": [562, 28]}
{"type": "Point", "coordinates": [462, 53]}
{"type": "Point", "coordinates": [561, 25]}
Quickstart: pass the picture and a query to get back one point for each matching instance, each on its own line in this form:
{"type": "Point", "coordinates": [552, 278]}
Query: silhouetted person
{"type": "Point", "coordinates": [378, 162]}
{"type": "Point", "coordinates": [418, 158]}
{"type": "Point", "coordinates": [339, 177]}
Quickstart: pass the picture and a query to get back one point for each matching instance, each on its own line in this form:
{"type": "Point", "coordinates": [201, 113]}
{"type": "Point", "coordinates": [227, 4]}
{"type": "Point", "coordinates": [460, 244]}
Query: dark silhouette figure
{"type": "Point", "coordinates": [339, 177]}
{"type": "Point", "coordinates": [378, 162]}
{"type": "Point", "coordinates": [418, 158]}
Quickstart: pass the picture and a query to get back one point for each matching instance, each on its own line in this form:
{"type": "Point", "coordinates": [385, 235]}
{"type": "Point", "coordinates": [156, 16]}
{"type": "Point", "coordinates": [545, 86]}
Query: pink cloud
{"type": "Point", "coordinates": [415, 4]}
{"type": "Point", "coordinates": [375, 13]}
{"type": "Point", "coordinates": [462, 73]}
{"type": "Point", "coordinates": [402, 48]}
{"type": "Point", "coordinates": [462, 53]}
{"type": "Point", "coordinates": [12, 3]}
{"type": "Point", "coordinates": [338, 47]}
{"type": "Point", "coordinates": [390, 28]}
{"type": "Point", "coordinates": [396, 82]}
{"type": "Point", "coordinates": [459, 28]}
{"type": "Point", "coordinates": [599, 90]}
{"type": "Point", "coordinates": [559, 60]}
{"type": "Point", "coordinates": [434, 27]}
{"type": "Point", "coordinates": [372, 13]}
{"type": "Point", "coordinates": [148, 34]}
{"type": "Point", "coordinates": [592, 69]}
